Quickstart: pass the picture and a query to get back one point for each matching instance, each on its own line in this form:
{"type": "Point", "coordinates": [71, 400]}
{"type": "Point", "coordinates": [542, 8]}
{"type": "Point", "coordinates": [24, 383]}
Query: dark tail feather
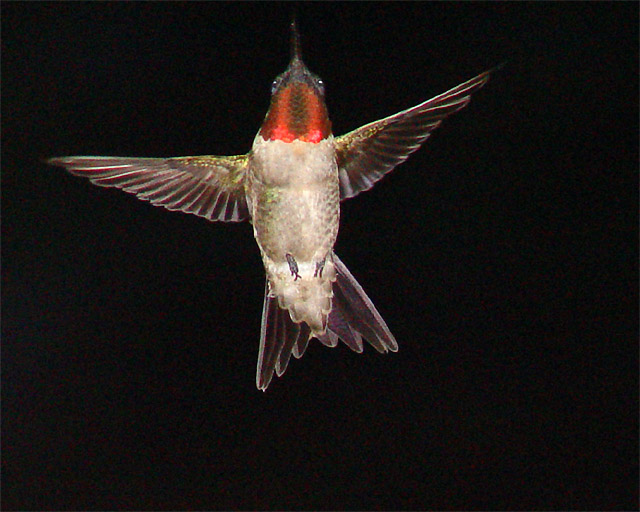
{"type": "Point", "coordinates": [278, 335]}
{"type": "Point", "coordinates": [338, 327]}
{"type": "Point", "coordinates": [354, 313]}
{"type": "Point", "coordinates": [353, 317]}
{"type": "Point", "coordinates": [290, 345]}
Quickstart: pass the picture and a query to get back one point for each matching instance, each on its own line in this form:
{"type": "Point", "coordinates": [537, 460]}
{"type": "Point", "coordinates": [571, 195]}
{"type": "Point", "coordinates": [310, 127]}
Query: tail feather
{"type": "Point", "coordinates": [357, 326]}
{"type": "Point", "coordinates": [359, 312]}
{"type": "Point", "coordinates": [301, 345]}
{"type": "Point", "coordinates": [328, 339]}
{"type": "Point", "coordinates": [340, 327]}
{"type": "Point", "coordinates": [353, 318]}
{"type": "Point", "coordinates": [278, 334]}
{"type": "Point", "coordinates": [303, 333]}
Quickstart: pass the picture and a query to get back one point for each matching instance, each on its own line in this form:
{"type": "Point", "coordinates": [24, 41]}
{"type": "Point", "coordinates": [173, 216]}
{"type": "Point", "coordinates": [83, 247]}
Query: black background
{"type": "Point", "coordinates": [503, 256]}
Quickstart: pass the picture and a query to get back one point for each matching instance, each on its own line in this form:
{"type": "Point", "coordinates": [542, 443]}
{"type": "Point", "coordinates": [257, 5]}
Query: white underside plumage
{"type": "Point", "coordinates": [295, 205]}
{"type": "Point", "coordinates": [307, 297]}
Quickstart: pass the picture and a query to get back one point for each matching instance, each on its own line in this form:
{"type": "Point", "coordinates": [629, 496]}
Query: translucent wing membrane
{"type": "Point", "coordinates": [353, 318]}
{"type": "Point", "coordinates": [365, 155]}
{"type": "Point", "coordinates": [208, 186]}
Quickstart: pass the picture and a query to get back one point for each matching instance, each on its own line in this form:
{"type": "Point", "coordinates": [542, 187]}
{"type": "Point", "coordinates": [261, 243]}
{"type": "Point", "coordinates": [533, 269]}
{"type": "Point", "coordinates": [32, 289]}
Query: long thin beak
{"type": "Point", "coordinates": [296, 53]}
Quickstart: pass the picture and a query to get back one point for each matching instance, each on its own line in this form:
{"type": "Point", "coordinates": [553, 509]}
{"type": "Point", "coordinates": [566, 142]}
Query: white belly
{"type": "Point", "coordinates": [295, 207]}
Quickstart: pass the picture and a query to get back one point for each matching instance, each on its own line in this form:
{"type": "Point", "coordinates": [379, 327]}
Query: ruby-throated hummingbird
{"type": "Point", "coordinates": [290, 186]}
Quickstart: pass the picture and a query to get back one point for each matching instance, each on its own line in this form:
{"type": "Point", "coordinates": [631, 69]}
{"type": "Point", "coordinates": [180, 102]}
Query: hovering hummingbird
{"type": "Point", "coordinates": [289, 186]}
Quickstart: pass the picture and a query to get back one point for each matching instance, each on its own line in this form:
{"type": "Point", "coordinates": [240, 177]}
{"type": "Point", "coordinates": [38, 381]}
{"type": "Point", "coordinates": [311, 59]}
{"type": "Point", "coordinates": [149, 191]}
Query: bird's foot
{"type": "Point", "coordinates": [319, 268]}
{"type": "Point", "coordinates": [293, 266]}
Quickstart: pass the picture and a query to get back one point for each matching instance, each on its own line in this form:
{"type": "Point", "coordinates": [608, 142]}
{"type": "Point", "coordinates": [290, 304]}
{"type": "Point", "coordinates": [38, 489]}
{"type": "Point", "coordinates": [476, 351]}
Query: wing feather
{"type": "Point", "coordinates": [365, 155]}
{"type": "Point", "coordinates": [208, 186]}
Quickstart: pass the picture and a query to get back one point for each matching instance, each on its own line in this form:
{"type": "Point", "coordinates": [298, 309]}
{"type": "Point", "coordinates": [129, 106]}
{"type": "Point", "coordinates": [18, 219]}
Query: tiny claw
{"type": "Point", "coordinates": [319, 268]}
{"type": "Point", "coordinates": [293, 266]}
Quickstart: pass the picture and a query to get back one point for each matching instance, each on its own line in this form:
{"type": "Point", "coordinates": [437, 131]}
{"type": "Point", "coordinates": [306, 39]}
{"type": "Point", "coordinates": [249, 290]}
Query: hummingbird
{"type": "Point", "coordinates": [289, 186]}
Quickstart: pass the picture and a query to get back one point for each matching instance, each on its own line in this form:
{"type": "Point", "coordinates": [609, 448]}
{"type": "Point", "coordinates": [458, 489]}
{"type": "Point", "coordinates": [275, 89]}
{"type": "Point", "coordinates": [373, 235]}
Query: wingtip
{"type": "Point", "coordinates": [64, 161]}
{"type": "Point", "coordinates": [501, 65]}
{"type": "Point", "coordinates": [54, 160]}
{"type": "Point", "coordinates": [498, 67]}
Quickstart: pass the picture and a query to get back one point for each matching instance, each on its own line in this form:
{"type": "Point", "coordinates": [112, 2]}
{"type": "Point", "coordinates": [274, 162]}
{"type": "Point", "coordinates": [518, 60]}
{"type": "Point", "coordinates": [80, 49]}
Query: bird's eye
{"type": "Point", "coordinates": [274, 85]}
{"type": "Point", "coordinates": [320, 85]}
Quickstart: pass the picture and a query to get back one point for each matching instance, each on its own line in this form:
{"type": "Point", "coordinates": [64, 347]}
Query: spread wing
{"type": "Point", "coordinates": [208, 186]}
{"type": "Point", "coordinates": [365, 155]}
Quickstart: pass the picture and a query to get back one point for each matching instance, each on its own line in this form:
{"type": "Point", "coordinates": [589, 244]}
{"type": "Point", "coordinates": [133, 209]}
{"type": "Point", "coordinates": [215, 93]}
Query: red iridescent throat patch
{"type": "Point", "coordinates": [296, 113]}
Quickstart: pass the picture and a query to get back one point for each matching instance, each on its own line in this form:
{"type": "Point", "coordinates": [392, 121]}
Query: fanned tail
{"type": "Point", "coordinates": [353, 318]}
